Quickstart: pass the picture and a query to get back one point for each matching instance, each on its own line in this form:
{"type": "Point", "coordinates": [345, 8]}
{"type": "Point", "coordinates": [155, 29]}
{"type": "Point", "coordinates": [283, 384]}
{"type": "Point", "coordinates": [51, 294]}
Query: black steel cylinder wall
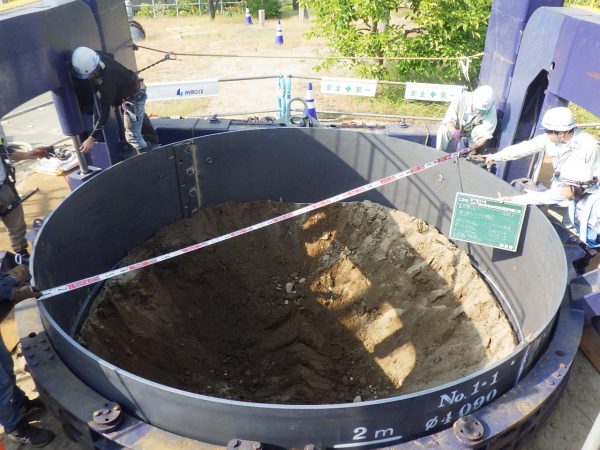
{"type": "Point", "coordinates": [123, 206]}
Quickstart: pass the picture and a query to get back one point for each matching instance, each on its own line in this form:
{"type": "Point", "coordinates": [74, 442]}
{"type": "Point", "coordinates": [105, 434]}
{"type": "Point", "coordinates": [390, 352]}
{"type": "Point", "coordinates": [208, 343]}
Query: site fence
{"type": "Point", "coordinates": [182, 7]}
{"type": "Point", "coordinates": [290, 87]}
{"type": "Point", "coordinates": [282, 94]}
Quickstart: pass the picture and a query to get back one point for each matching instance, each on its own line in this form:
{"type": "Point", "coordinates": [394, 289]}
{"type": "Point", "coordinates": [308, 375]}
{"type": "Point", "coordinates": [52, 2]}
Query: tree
{"type": "Point", "coordinates": [589, 3]}
{"type": "Point", "coordinates": [427, 28]}
{"type": "Point", "coordinates": [355, 28]}
{"type": "Point", "coordinates": [272, 8]}
{"type": "Point", "coordinates": [445, 29]}
{"type": "Point", "coordinates": [211, 9]}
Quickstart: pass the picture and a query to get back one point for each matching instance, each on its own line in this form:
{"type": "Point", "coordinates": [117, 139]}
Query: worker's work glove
{"type": "Point", "coordinates": [20, 273]}
{"type": "Point", "coordinates": [456, 135]}
{"type": "Point", "coordinates": [489, 159]}
{"type": "Point", "coordinates": [39, 152]}
{"type": "Point", "coordinates": [473, 153]}
{"type": "Point", "coordinates": [474, 156]}
{"type": "Point", "coordinates": [23, 293]}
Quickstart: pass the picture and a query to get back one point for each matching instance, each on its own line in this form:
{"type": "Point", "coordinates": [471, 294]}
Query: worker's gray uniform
{"type": "Point", "coordinates": [12, 214]}
{"type": "Point", "coordinates": [474, 125]}
{"type": "Point", "coordinates": [582, 146]}
{"type": "Point", "coordinates": [584, 213]}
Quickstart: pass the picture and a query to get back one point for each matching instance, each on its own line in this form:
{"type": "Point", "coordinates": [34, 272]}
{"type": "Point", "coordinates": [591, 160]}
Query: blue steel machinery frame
{"type": "Point", "coordinates": [35, 64]}
{"type": "Point", "coordinates": [42, 36]}
{"type": "Point", "coordinates": [539, 76]}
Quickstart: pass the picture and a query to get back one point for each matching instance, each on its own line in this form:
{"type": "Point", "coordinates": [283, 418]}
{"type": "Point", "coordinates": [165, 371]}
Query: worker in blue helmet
{"type": "Point", "coordinates": [15, 407]}
{"type": "Point", "coordinates": [117, 86]}
{"type": "Point", "coordinates": [562, 141]}
{"type": "Point", "coordinates": [471, 116]}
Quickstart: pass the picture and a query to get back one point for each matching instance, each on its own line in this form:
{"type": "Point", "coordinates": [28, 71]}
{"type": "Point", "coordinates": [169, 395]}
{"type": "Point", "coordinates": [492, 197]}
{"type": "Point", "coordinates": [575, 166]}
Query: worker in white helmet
{"type": "Point", "coordinates": [117, 86]}
{"type": "Point", "coordinates": [563, 141]}
{"type": "Point", "coordinates": [579, 187]}
{"type": "Point", "coordinates": [471, 116]}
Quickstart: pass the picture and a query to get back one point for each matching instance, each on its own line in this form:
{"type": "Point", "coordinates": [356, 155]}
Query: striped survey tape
{"type": "Point", "coordinates": [298, 212]}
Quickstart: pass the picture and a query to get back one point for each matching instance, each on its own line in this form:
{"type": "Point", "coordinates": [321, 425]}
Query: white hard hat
{"type": "Point", "coordinates": [576, 173]}
{"type": "Point", "coordinates": [483, 98]}
{"type": "Point", "coordinates": [558, 119]}
{"type": "Point", "coordinates": [84, 61]}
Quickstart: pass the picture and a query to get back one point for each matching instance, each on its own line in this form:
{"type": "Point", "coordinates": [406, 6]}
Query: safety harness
{"type": "Point", "coordinates": [128, 105]}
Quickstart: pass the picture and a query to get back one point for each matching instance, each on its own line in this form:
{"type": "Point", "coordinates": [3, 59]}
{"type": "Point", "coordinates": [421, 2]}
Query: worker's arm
{"type": "Point", "coordinates": [33, 154]}
{"type": "Point", "coordinates": [478, 144]}
{"type": "Point", "coordinates": [14, 287]}
{"type": "Point", "coordinates": [484, 132]}
{"type": "Point", "coordinates": [520, 150]}
{"type": "Point", "coordinates": [452, 117]}
{"type": "Point", "coordinates": [551, 196]}
{"type": "Point", "coordinates": [7, 285]}
{"type": "Point", "coordinates": [107, 93]}
{"type": "Point", "coordinates": [7, 153]}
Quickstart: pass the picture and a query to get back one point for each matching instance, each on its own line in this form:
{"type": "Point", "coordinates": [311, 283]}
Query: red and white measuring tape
{"type": "Point", "coordinates": [298, 212]}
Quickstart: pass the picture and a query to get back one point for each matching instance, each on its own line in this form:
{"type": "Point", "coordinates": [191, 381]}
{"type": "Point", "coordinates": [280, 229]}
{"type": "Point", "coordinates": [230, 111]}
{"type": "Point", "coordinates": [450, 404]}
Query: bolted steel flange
{"type": "Point", "coordinates": [108, 417]}
{"type": "Point", "coordinates": [239, 444]}
{"type": "Point", "coordinates": [468, 429]}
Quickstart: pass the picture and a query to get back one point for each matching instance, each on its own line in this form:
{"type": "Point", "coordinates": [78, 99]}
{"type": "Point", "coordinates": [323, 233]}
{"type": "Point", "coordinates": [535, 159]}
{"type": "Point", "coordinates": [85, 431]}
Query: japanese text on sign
{"type": "Point", "coordinates": [348, 86]}
{"type": "Point", "coordinates": [432, 92]}
{"type": "Point", "coordinates": [487, 221]}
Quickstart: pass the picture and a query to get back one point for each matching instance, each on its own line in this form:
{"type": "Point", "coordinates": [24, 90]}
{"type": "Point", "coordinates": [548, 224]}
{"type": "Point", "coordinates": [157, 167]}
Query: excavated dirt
{"type": "Point", "coordinates": [354, 301]}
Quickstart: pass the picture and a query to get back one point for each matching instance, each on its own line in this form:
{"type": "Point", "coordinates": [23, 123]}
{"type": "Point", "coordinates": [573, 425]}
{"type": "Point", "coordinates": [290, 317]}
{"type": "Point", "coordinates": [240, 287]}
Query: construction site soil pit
{"type": "Point", "coordinates": [352, 302]}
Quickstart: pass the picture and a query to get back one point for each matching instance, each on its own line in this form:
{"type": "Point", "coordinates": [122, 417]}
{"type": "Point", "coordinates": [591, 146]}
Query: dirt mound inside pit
{"type": "Point", "coordinates": [354, 300]}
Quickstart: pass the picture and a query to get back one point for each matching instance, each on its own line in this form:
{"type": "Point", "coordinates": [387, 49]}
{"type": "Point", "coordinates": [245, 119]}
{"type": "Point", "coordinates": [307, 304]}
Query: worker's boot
{"type": "Point", "coordinates": [30, 435]}
{"type": "Point", "coordinates": [31, 407]}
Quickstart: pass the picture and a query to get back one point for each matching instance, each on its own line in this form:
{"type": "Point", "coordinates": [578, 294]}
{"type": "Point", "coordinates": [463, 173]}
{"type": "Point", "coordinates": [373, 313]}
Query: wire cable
{"type": "Point", "coordinates": [356, 58]}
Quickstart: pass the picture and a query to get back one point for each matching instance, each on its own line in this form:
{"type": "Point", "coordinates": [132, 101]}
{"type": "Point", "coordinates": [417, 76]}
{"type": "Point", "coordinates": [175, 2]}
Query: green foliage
{"type": "Point", "coordinates": [592, 3]}
{"type": "Point", "coordinates": [145, 10]}
{"type": "Point", "coordinates": [446, 29]}
{"type": "Point", "coordinates": [584, 116]}
{"type": "Point", "coordinates": [188, 7]}
{"type": "Point", "coordinates": [272, 7]}
{"type": "Point", "coordinates": [185, 8]}
{"type": "Point", "coordinates": [430, 28]}
{"type": "Point", "coordinates": [356, 28]}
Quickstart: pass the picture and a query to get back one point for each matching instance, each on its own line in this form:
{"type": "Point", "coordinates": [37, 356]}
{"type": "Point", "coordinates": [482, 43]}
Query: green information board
{"type": "Point", "coordinates": [487, 221]}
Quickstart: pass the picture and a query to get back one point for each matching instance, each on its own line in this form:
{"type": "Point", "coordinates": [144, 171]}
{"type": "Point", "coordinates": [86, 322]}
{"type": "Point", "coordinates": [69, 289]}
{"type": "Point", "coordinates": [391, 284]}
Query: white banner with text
{"type": "Point", "coordinates": [182, 89]}
{"type": "Point", "coordinates": [348, 86]}
{"type": "Point", "coordinates": [432, 92]}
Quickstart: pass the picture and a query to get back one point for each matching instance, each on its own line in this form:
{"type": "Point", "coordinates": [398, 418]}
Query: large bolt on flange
{"type": "Point", "coordinates": [468, 429]}
{"type": "Point", "coordinates": [108, 417]}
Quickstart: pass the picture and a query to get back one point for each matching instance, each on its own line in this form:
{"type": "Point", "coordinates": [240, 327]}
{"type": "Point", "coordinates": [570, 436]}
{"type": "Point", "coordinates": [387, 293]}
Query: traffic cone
{"type": "Point", "coordinates": [248, 16]}
{"type": "Point", "coordinates": [279, 34]}
{"type": "Point", "coordinates": [310, 102]}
